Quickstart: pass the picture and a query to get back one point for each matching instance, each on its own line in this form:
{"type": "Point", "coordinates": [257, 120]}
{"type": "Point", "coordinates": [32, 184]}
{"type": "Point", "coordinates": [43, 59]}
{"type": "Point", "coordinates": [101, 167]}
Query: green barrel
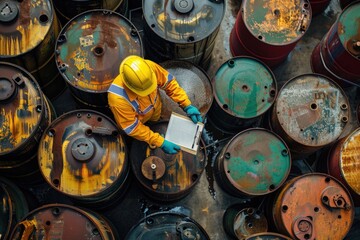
{"type": "Point", "coordinates": [89, 51]}
{"type": "Point", "coordinates": [244, 89]}
{"type": "Point", "coordinates": [254, 162]}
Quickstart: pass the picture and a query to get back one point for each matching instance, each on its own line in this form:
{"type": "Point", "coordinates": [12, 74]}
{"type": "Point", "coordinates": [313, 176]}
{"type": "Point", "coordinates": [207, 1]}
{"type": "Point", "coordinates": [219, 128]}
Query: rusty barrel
{"type": "Point", "coordinates": [255, 162]}
{"type": "Point", "coordinates": [167, 225]}
{"type": "Point", "coordinates": [67, 9]}
{"type": "Point", "coordinates": [318, 6]}
{"type": "Point", "coordinates": [343, 163]}
{"type": "Point", "coordinates": [28, 31]}
{"type": "Point", "coordinates": [269, 30]}
{"type": "Point", "coordinates": [166, 177]}
{"type": "Point", "coordinates": [345, 3]}
{"type": "Point", "coordinates": [239, 222]}
{"type": "Point", "coordinates": [13, 207]}
{"type": "Point", "coordinates": [182, 29]}
{"type": "Point", "coordinates": [25, 113]}
{"type": "Point", "coordinates": [83, 156]}
{"type": "Point", "coordinates": [310, 112]}
{"type": "Point", "coordinates": [337, 55]}
{"type": "Point", "coordinates": [313, 206]}
{"type": "Point", "coordinates": [267, 236]}
{"type": "Point", "coordinates": [61, 221]}
{"type": "Point", "coordinates": [89, 50]}
{"type": "Point", "coordinates": [194, 81]}
{"type": "Point", "coordinates": [244, 89]}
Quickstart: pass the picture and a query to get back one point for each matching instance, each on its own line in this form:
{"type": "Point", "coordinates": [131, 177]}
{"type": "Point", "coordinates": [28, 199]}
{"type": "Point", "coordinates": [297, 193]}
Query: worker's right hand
{"type": "Point", "coordinates": [169, 147]}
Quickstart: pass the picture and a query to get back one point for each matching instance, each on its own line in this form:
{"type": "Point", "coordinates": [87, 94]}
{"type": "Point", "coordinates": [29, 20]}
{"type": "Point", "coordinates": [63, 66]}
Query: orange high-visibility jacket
{"type": "Point", "coordinates": [132, 111]}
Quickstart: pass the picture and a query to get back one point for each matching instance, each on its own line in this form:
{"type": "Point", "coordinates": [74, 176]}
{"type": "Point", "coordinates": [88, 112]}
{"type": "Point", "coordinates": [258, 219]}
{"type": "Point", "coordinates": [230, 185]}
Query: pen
{"type": "Point", "coordinates": [197, 128]}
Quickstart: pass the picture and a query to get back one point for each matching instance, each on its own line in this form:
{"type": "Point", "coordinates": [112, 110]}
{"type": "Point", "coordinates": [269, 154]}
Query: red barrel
{"type": "Point", "coordinates": [313, 206]}
{"type": "Point", "coordinates": [338, 54]}
{"type": "Point", "coordinates": [343, 163]}
{"type": "Point", "coordinates": [60, 221]}
{"type": "Point", "coordinates": [269, 30]}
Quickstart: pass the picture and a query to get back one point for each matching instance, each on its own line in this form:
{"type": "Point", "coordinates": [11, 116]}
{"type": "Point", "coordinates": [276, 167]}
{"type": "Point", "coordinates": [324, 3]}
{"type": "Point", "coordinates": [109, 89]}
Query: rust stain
{"type": "Point", "coordinates": [350, 164]}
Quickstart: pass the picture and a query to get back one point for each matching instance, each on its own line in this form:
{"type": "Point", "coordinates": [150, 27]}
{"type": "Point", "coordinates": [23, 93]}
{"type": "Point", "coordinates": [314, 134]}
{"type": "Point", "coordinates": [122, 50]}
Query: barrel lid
{"type": "Point", "coordinates": [23, 25]}
{"type": "Point", "coordinates": [276, 22]}
{"type": "Point", "coordinates": [267, 236]}
{"type": "Point", "coordinates": [182, 170]}
{"type": "Point", "coordinates": [310, 216]}
{"type": "Point", "coordinates": [350, 160]}
{"type": "Point", "coordinates": [82, 153]}
{"type": "Point", "coordinates": [349, 28]}
{"type": "Point", "coordinates": [183, 21]}
{"type": "Point", "coordinates": [91, 47]}
{"type": "Point", "coordinates": [312, 109]}
{"type": "Point", "coordinates": [59, 221]}
{"type": "Point", "coordinates": [249, 221]}
{"type": "Point", "coordinates": [194, 81]}
{"type": "Point", "coordinates": [256, 161]}
{"type": "Point", "coordinates": [167, 225]}
{"type": "Point", "coordinates": [21, 107]}
{"type": "Point", "coordinates": [244, 87]}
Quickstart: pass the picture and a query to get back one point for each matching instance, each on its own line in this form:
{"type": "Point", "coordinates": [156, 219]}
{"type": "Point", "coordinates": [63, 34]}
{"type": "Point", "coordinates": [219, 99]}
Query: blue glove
{"type": "Point", "coordinates": [193, 113]}
{"type": "Point", "coordinates": [169, 147]}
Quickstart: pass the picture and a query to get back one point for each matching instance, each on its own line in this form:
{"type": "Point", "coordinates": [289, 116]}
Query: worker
{"type": "Point", "coordinates": [134, 99]}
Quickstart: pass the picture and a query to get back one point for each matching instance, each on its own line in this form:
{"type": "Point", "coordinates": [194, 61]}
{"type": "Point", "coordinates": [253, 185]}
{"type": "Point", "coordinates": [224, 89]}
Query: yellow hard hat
{"type": "Point", "coordinates": [137, 75]}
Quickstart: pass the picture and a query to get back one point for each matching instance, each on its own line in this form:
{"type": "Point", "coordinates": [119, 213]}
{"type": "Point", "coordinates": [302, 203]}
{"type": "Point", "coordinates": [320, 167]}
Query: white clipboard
{"type": "Point", "coordinates": [182, 131]}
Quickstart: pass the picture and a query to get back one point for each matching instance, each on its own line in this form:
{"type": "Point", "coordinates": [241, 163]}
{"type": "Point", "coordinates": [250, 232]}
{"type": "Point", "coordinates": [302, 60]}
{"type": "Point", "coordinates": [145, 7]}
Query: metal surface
{"type": "Point", "coordinates": [244, 89]}
{"type": "Point", "coordinates": [311, 112]}
{"type": "Point", "coordinates": [182, 29]}
{"type": "Point", "coordinates": [182, 170]}
{"type": "Point", "coordinates": [267, 236]}
{"type": "Point", "coordinates": [60, 221]}
{"type": "Point", "coordinates": [269, 30]}
{"type": "Point", "coordinates": [326, 213]}
{"type": "Point", "coordinates": [28, 30]}
{"type": "Point", "coordinates": [66, 13]}
{"type": "Point", "coordinates": [338, 54]}
{"type": "Point", "coordinates": [254, 162]}
{"type": "Point", "coordinates": [83, 155]}
{"type": "Point", "coordinates": [345, 3]}
{"type": "Point", "coordinates": [24, 114]}
{"type": "Point", "coordinates": [194, 81]}
{"type": "Point", "coordinates": [240, 223]}
{"type": "Point", "coordinates": [13, 207]}
{"type": "Point", "coordinates": [167, 225]}
{"type": "Point", "coordinates": [89, 51]}
{"type": "Point", "coordinates": [343, 163]}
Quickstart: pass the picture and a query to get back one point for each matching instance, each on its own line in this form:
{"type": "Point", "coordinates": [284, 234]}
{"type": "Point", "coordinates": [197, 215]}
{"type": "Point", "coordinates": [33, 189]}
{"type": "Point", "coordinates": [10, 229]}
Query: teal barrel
{"type": "Point", "coordinates": [337, 55]}
{"type": "Point", "coordinates": [24, 114]}
{"type": "Point", "coordinates": [61, 221]}
{"type": "Point", "coordinates": [65, 13]}
{"type": "Point", "coordinates": [83, 156]}
{"type": "Point", "coordinates": [89, 51]}
{"type": "Point", "coordinates": [182, 29]}
{"type": "Point", "coordinates": [244, 89]}
{"type": "Point", "coordinates": [310, 112]}
{"type": "Point", "coordinates": [269, 29]}
{"type": "Point", "coordinates": [255, 162]}
{"type": "Point", "coordinates": [28, 31]}
{"type": "Point", "coordinates": [167, 225]}
{"type": "Point", "coordinates": [13, 206]}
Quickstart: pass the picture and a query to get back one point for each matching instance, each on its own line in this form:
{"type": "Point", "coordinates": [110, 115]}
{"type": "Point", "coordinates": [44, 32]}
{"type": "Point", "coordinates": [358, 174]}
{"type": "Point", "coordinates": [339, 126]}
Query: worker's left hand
{"type": "Point", "coordinates": [193, 113]}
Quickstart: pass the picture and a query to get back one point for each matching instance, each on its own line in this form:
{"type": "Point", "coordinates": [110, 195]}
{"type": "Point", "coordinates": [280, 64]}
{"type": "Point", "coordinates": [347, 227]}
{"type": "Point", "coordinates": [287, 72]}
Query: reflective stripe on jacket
{"type": "Point", "coordinates": [132, 111]}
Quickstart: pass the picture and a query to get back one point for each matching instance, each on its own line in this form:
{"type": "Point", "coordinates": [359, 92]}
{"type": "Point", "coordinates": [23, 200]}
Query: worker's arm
{"type": "Point", "coordinates": [125, 117]}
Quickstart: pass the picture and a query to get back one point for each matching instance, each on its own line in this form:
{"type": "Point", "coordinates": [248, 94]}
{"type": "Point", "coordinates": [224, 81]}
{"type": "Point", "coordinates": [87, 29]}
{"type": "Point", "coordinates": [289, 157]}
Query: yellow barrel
{"type": "Point", "coordinates": [83, 155]}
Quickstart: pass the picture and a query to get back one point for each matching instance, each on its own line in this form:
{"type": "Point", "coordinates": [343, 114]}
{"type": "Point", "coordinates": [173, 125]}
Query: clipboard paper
{"type": "Point", "coordinates": [182, 131]}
